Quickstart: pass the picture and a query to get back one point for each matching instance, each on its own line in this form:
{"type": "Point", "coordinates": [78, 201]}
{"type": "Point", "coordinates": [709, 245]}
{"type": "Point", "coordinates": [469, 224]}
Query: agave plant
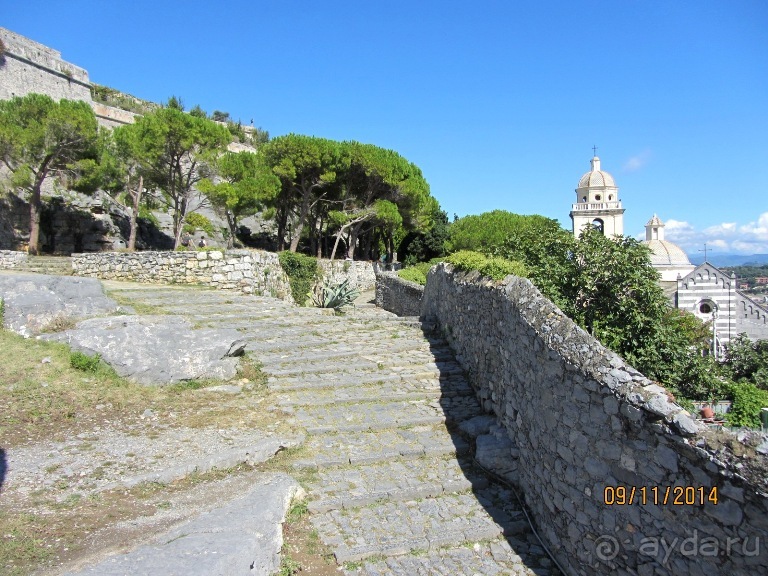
{"type": "Point", "coordinates": [335, 296]}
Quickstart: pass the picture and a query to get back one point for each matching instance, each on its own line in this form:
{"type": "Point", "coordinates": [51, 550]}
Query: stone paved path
{"type": "Point", "coordinates": [391, 483]}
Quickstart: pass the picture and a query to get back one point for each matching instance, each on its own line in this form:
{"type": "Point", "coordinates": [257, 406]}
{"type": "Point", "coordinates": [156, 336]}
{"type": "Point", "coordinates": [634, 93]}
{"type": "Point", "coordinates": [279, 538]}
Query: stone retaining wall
{"type": "Point", "coordinates": [11, 259]}
{"type": "Point", "coordinates": [250, 271]}
{"type": "Point", "coordinates": [397, 295]}
{"type": "Point", "coordinates": [581, 420]}
{"type": "Point", "coordinates": [361, 274]}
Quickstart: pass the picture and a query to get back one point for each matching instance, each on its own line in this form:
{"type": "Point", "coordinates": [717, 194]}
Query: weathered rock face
{"type": "Point", "coordinates": [581, 422]}
{"type": "Point", "coordinates": [34, 302]}
{"type": "Point", "coordinates": [156, 349]}
{"type": "Point", "coordinates": [77, 223]}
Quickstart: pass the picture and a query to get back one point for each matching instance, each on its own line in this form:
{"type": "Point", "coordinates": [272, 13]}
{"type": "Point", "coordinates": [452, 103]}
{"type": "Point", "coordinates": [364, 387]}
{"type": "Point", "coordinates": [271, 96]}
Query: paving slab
{"type": "Point", "coordinates": [243, 537]}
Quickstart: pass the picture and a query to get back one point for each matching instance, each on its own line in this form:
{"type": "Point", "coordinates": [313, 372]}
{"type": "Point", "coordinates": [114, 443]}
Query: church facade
{"type": "Point", "coordinates": [703, 290]}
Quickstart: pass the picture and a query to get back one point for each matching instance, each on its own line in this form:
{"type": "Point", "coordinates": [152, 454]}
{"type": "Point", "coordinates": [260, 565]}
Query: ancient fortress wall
{"type": "Point", "coordinates": [581, 421]}
{"type": "Point", "coordinates": [28, 66]}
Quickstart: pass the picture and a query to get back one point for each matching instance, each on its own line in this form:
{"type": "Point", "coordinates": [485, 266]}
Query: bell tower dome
{"type": "Point", "coordinates": [597, 203]}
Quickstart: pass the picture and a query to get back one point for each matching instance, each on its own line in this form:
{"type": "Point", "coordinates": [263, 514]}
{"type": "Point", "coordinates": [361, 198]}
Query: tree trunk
{"type": "Point", "coordinates": [232, 222]}
{"type": "Point", "coordinates": [353, 240]}
{"type": "Point", "coordinates": [300, 223]}
{"type": "Point", "coordinates": [35, 208]}
{"type": "Point", "coordinates": [136, 197]}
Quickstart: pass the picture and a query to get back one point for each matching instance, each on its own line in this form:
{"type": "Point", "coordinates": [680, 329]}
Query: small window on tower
{"type": "Point", "coordinates": [705, 308]}
{"type": "Point", "coordinates": [583, 198]}
{"type": "Point", "coordinates": [597, 197]}
{"type": "Point", "coordinates": [610, 197]}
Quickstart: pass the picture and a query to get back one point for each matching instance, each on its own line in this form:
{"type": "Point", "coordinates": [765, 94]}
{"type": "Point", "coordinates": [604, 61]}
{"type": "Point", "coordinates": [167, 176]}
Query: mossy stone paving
{"type": "Point", "coordinates": [392, 488]}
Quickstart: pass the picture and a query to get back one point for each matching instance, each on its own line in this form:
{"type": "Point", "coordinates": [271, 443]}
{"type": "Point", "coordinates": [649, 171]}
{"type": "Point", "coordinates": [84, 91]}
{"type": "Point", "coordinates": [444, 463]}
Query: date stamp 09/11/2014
{"type": "Point", "coordinates": [659, 495]}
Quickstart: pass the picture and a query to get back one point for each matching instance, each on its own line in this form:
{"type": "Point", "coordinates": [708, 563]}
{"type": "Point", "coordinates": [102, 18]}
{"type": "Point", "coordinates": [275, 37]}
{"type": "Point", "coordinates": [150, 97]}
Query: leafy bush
{"type": "Point", "coordinates": [194, 221]}
{"type": "Point", "coordinates": [83, 362]}
{"type": "Point", "coordinates": [146, 214]}
{"type": "Point", "coordinates": [418, 272]}
{"type": "Point", "coordinates": [336, 296]}
{"type": "Point", "coordinates": [748, 400]}
{"type": "Point", "coordinates": [497, 268]}
{"type": "Point", "coordinates": [413, 274]}
{"type": "Point", "coordinates": [2, 312]}
{"type": "Point", "coordinates": [302, 272]}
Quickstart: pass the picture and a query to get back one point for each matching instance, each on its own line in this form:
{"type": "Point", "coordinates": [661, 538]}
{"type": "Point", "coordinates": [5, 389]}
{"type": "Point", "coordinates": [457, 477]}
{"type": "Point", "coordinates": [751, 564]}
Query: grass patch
{"type": "Point", "coordinates": [53, 400]}
{"type": "Point", "coordinates": [84, 363]}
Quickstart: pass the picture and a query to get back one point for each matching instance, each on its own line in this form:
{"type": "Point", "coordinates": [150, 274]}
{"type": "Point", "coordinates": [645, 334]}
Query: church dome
{"type": "Point", "coordinates": [597, 178]}
{"type": "Point", "coordinates": [665, 253]}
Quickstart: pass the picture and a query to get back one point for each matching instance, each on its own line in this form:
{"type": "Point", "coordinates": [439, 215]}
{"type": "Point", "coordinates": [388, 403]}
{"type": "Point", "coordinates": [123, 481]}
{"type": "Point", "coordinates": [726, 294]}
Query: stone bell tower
{"type": "Point", "coordinates": [597, 203]}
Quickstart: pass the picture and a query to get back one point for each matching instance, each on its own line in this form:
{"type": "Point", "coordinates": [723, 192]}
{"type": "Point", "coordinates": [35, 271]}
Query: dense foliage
{"type": "Point", "coordinates": [243, 185]}
{"type": "Point", "coordinates": [422, 246]}
{"type": "Point", "coordinates": [302, 272]}
{"type": "Point", "coordinates": [40, 138]}
{"type": "Point", "coordinates": [360, 195]}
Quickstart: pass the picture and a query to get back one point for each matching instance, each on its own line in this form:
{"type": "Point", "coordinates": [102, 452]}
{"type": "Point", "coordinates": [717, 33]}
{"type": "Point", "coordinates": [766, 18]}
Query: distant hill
{"type": "Point", "coordinates": [723, 260]}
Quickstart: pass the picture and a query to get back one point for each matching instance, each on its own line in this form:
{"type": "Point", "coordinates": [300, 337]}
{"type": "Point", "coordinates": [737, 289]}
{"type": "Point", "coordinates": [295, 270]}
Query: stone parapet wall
{"type": "Point", "coordinates": [11, 259]}
{"type": "Point", "coordinates": [581, 420]}
{"type": "Point", "coordinates": [112, 117]}
{"type": "Point", "coordinates": [249, 271]}
{"type": "Point", "coordinates": [397, 295]}
{"type": "Point", "coordinates": [360, 274]}
{"type": "Point", "coordinates": [29, 66]}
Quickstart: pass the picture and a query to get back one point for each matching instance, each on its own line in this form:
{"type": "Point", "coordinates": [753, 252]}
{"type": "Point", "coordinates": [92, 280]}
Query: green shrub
{"type": "Point", "coordinates": [2, 312]}
{"type": "Point", "coordinates": [194, 221]}
{"type": "Point", "coordinates": [748, 400]}
{"type": "Point", "coordinates": [336, 296]}
{"type": "Point", "coordinates": [302, 272]}
{"type": "Point", "coordinates": [497, 268]}
{"type": "Point", "coordinates": [413, 274]}
{"type": "Point", "coordinates": [83, 362]}
{"type": "Point", "coordinates": [146, 214]}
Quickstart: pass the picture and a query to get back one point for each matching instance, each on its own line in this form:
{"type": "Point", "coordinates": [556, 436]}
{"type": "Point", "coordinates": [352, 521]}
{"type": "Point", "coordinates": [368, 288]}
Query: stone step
{"type": "Point", "coordinates": [419, 378]}
{"type": "Point", "coordinates": [495, 558]}
{"type": "Point", "coordinates": [378, 391]}
{"type": "Point", "coordinates": [361, 416]}
{"type": "Point", "coordinates": [394, 528]}
{"type": "Point", "coordinates": [50, 265]}
{"type": "Point", "coordinates": [355, 486]}
{"type": "Point", "coordinates": [336, 448]}
{"type": "Point", "coordinates": [372, 360]}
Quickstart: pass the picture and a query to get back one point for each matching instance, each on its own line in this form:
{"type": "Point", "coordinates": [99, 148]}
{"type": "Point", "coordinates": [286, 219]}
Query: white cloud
{"type": "Point", "coordinates": [725, 238]}
{"type": "Point", "coordinates": [637, 161]}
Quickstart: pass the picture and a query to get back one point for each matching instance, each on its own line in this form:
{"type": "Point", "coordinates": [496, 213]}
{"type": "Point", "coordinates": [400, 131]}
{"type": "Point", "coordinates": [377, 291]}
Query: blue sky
{"type": "Point", "coordinates": [498, 102]}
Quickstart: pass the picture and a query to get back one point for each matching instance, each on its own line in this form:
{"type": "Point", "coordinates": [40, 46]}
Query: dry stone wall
{"type": "Point", "coordinates": [11, 259]}
{"type": "Point", "coordinates": [360, 274]}
{"type": "Point", "coordinates": [397, 295]}
{"type": "Point", "coordinates": [249, 271]}
{"type": "Point", "coordinates": [586, 429]}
